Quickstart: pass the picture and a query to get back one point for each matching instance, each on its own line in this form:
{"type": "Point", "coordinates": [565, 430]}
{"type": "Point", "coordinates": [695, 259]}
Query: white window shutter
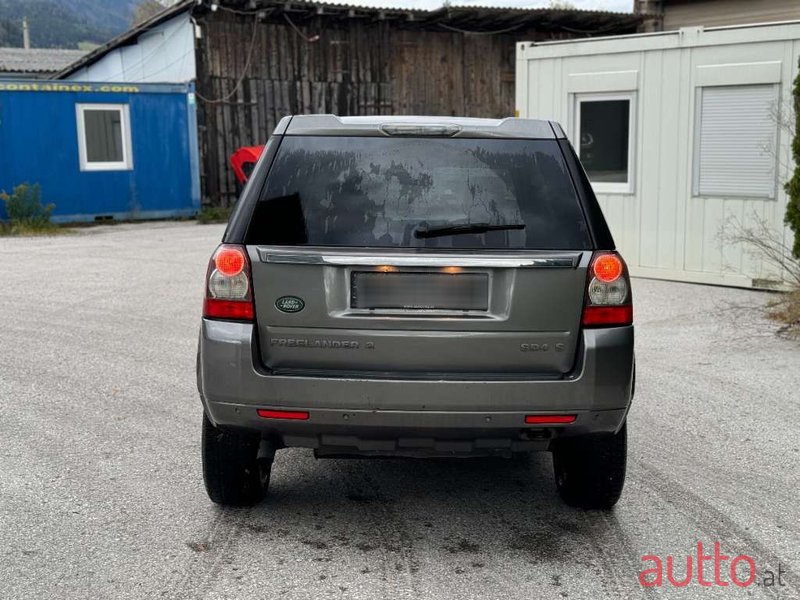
{"type": "Point", "coordinates": [738, 141]}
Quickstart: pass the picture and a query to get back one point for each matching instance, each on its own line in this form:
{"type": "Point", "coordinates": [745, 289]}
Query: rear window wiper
{"type": "Point", "coordinates": [431, 232]}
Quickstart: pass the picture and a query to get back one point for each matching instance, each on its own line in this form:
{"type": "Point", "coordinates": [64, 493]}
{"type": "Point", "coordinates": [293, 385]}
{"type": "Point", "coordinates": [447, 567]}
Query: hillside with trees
{"type": "Point", "coordinates": [68, 23]}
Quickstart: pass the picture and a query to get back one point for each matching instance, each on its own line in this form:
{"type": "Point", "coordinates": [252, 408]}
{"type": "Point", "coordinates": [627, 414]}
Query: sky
{"type": "Point", "coordinates": [615, 5]}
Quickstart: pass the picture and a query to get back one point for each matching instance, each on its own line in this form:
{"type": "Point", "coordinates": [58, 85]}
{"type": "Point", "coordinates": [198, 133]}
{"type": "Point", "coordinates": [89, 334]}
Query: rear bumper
{"type": "Point", "coordinates": [405, 416]}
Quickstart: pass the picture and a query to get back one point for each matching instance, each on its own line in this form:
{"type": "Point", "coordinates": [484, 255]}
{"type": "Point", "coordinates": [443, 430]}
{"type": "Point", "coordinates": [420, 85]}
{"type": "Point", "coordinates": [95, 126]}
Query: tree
{"type": "Point", "coordinates": [793, 185]}
{"type": "Point", "coordinates": [561, 5]}
{"type": "Point", "coordinates": [145, 10]}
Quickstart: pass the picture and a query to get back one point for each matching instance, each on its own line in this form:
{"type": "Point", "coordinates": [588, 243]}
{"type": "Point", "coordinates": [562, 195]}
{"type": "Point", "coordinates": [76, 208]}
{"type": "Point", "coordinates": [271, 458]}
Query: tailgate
{"type": "Point", "coordinates": [340, 311]}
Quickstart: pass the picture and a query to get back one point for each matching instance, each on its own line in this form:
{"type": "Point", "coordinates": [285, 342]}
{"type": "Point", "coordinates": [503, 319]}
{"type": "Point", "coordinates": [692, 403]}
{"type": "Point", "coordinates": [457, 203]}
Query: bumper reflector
{"type": "Point", "coordinates": [607, 316]}
{"type": "Point", "coordinates": [549, 419]}
{"type": "Point", "coordinates": [228, 309]}
{"type": "Point", "coordinates": [299, 415]}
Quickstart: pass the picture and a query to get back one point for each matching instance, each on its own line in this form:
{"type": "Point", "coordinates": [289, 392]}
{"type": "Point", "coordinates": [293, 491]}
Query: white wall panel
{"type": "Point", "coordinates": [165, 54]}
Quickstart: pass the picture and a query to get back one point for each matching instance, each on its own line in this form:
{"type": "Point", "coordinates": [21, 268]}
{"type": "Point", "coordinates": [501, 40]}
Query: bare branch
{"type": "Point", "coordinates": [762, 242]}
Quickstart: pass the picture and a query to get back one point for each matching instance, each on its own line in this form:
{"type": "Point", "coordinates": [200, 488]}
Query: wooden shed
{"type": "Point", "coordinates": [258, 60]}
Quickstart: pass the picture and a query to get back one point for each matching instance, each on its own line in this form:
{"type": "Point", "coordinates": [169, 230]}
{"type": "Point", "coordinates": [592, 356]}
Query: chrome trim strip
{"type": "Point", "coordinates": [290, 259]}
{"type": "Point", "coordinates": [555, 261]}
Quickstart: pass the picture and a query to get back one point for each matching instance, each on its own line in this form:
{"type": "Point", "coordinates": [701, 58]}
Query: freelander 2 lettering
{"type": "Point", "coordinates": [306, 343]}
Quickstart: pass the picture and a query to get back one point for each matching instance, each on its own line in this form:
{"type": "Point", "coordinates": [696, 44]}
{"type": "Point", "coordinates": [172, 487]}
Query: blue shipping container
{"type": "Point", "coordinates": [100, 150]}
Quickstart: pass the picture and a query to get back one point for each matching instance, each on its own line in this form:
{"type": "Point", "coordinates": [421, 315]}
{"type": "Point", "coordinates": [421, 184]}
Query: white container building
{"type": "Point", "coordinates": [683, 134]}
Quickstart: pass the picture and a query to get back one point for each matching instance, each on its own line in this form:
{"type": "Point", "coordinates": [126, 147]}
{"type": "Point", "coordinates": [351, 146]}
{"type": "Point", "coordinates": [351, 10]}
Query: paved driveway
{"type": "Point", "coordinates": [100, 485]}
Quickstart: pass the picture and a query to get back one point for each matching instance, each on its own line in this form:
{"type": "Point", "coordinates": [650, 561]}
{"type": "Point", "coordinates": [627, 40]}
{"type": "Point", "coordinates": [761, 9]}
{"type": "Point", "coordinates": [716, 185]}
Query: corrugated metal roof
{"type": "Point", "coordinates": [365, 7]}
{"type": "Point", "coordinates": [423, 11]}
{"type": "Point", "coordinates": [472, 18]}
{"type": "Point", "coordinates": [520, 9]}
{"type": "Point", "coordinates": [36, 60]}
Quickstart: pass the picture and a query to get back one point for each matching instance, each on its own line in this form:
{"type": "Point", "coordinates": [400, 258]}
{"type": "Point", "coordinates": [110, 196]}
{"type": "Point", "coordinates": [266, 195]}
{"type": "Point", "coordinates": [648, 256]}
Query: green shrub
{"type": "Point", "coordinates": [25, 210]}
{"type": "Point", "coordinates": [787, 307]}
{"type": "Point", "coordinates": [793, 185]}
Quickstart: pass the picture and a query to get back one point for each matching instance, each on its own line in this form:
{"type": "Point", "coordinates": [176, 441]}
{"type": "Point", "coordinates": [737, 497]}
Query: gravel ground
{"type": "Point", "coordinates": [101, 494]}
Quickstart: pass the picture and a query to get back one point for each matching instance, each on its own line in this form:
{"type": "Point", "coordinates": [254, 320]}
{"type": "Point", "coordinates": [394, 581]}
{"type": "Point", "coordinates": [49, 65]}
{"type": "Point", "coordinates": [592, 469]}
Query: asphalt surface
{"type": "Point", "coordinates": [101, 493]}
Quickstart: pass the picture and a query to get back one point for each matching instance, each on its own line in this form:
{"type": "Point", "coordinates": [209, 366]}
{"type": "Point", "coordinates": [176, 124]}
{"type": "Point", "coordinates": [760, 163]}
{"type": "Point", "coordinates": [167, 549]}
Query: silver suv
{"type": "Point", "coordinates": [420, 287]}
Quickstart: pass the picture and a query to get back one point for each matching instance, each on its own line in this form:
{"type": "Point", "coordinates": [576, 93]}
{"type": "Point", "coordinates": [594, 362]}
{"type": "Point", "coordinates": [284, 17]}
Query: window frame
{"type": "Point", "coordinates": [697, 146]}
{"type": "Point", "coordinates": [126, 164]}
{"type": "Point", "coordinates": [608, 187]}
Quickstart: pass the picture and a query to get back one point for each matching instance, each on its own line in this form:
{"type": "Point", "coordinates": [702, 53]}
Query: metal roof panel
{"type": "Point", "coordinates": [36, 60]}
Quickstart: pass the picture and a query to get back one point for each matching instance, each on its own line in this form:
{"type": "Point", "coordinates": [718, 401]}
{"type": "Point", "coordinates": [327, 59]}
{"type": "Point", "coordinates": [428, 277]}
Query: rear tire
{"type": "Point", "coordinates": [232, 471]}
{"type": "Point", "coordinates": [590, 471]}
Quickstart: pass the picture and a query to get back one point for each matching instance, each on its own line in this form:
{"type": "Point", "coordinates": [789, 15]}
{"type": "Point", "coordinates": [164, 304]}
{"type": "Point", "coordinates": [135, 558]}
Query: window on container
{"type": "Point", "coordinates": [735, 141]}
{"type": "Point", "coordinates": [104, 141]}
{"type": "Point", "coordinates": [604, 134]}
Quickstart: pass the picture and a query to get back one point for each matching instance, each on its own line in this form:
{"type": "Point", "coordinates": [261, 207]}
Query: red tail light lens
{"type": "Point", "coordinates": [227, 309]}
{"type": "Point", "coordinates": [229, 292]}
{"type": "Point", "coordinates": [229, 260]}
{"type": "Point", "coordinates": [607, 267]}
{"type": "Point", "coordinates": [607, 316]}
{"type": "Point", "coordinates": [608, 296]}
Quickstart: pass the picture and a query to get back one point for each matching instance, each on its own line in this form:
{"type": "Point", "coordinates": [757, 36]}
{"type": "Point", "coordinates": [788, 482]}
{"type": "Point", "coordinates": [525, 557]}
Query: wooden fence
{"type": "Point", "coordinates": [252, 71]}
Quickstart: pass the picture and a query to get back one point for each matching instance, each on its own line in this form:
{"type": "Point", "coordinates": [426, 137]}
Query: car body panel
{"type": "Point", "coordinates": [530, 325]}
{"type": "Point", "coordinates": [231, 372]}
{"type": "Point", "coordinates": [358, 414]}
{"type": "Point", "coordinates": [375, 126]}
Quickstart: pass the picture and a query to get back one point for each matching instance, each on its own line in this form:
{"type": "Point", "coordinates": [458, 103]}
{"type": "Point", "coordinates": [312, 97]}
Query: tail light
{"type": "Point", "coordinates": [608, 295]}
{"type": "Point", "coordinates": [229, 293]}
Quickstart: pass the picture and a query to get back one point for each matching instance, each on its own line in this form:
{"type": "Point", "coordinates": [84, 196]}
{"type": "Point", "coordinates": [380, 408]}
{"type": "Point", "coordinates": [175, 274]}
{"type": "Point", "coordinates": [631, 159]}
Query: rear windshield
{"type": "Point", "coordinates": [419, 193]}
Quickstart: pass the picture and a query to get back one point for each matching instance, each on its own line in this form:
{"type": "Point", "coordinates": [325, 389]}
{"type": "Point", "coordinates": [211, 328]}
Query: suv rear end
{"type": "Point", "coordinates": [413, 286]}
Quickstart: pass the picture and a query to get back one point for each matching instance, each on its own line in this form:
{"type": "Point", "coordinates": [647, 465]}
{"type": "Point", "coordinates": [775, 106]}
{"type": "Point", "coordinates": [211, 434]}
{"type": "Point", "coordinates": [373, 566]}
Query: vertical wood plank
{"type": "Point", "coordinates": [359, 66]}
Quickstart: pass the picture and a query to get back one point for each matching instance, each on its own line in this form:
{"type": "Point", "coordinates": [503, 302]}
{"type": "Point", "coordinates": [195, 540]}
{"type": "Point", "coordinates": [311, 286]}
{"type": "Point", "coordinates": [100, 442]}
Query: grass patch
{"type": "Point", "coordinates": [214, 214]}
{"type": "Point", "coordinates": [35, 228]}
